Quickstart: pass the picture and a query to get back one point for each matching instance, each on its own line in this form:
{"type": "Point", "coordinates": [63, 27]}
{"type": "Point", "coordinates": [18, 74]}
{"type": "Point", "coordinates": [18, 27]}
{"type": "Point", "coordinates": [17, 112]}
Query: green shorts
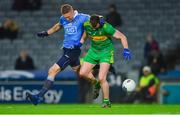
{"type": "Point", "coordinates": [96, 57]}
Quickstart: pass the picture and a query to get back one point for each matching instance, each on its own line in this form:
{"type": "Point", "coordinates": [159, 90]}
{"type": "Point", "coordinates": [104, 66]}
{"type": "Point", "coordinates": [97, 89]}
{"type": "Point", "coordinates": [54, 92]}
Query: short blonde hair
{"type": "Point", "coordinates": [65, 8]}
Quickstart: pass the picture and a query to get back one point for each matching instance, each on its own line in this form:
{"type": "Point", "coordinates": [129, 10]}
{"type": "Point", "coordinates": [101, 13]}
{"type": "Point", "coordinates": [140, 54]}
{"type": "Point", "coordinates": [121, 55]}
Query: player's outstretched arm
{"type": "Point", "coordinates": [83, 39]}
{"type": "Point", "coordinates": [52, 30]}
{"type": "Point", "coordinates": [122, 37]}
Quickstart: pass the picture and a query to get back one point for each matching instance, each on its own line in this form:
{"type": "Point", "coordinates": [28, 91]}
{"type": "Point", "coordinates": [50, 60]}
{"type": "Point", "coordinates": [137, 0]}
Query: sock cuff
{"type": "Point", "coordinates": [105, 100]}
{"type": "Point", "coordinates": [50, 78]}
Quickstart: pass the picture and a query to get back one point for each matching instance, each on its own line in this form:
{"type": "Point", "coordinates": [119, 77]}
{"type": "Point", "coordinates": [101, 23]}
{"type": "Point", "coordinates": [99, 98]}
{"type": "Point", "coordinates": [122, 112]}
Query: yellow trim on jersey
{"type": "Point", "coordinates": [112, 57]}
{"type": "Point", "coordinates": [99, 38]}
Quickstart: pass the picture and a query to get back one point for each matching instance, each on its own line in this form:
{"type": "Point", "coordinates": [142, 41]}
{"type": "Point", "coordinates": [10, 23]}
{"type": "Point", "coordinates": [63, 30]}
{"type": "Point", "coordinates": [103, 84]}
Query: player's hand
{"type": "Point", "coordinates": [126, 54]}
{"type": "Point", "coordinates": [42, 34]}
{"type": "Point", "coordinates": [78, 45]}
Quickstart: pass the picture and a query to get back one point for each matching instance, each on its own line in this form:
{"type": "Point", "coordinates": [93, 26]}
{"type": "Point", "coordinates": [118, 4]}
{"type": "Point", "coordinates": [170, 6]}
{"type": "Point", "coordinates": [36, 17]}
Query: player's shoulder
{"type": "Point", "coordinates": [61, 19]}
{"type": "Point", "coordinates": [106, 24]}
{"type": "Point", "coordinates": [83, 15]}
{"type": "Point", "coordinates": [87, 23]}
{"type": "Point", "coordinates": [109, 28]}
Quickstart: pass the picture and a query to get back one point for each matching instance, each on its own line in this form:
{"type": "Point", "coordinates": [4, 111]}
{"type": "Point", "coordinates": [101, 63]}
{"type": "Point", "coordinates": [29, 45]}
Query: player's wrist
{"type": "Point", "coordinates": [42, 34]}
{"type": "Point", "coordinates": [46, 33]}
{"type": "Point", "coordinates": [79, 44]}
{"type": "Point", "coordinates": [126, 50]}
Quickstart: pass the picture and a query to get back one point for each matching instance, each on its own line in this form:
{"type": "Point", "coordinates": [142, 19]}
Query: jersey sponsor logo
{"type": "Point", "coordinates": [71, 30]}
{"type": "Point", "coordinates": [112, 57]}
{"type": "Point", "coordinates": [99, 38]}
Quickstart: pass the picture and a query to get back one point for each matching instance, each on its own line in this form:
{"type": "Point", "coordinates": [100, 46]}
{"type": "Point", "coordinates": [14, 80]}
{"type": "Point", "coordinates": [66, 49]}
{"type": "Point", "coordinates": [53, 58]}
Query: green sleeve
{"type": "Point", "coordinates": [86, 24]}
{"type": "Point", "coordinates": [109, 29]}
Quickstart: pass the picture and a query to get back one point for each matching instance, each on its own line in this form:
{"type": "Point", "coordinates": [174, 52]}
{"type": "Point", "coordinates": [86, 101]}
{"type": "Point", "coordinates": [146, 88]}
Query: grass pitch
{"type": "Point", "coordinates": [88, 109]}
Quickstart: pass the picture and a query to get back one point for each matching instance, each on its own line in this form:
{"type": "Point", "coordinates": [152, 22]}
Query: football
{"type": "Point", "coordinates": [129, 85]}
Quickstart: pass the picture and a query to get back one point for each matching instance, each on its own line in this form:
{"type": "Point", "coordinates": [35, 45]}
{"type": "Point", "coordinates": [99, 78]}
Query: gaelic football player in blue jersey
{"type": "Point", "coordinates": [72, 23]}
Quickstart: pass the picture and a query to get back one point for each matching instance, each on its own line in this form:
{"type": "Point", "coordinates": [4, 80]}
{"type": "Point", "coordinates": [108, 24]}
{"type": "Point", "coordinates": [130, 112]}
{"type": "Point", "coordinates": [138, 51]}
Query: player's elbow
{"type": "Point", "coordinates": [119, 35]}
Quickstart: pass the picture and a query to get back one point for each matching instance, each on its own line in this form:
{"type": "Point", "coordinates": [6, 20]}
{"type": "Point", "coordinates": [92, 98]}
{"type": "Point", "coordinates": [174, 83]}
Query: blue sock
{"type": "Point", "coordinates": [47, 85]}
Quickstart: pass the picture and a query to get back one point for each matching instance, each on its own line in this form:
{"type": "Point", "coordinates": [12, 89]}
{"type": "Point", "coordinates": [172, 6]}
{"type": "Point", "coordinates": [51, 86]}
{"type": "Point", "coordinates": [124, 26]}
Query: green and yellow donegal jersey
{"type": "Point", "coordinates": [101, 37]}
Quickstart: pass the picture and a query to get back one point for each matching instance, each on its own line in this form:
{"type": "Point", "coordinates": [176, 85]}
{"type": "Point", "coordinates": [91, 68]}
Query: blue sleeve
{"type": "Point", "coordinates": [86, 17]}
{"type": "Point", "coordinates": [61, 20]}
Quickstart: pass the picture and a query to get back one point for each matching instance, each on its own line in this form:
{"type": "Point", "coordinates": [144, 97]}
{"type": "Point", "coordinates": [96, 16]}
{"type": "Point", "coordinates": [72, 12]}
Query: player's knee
{"type": "Point", "coordinates": [82, 73]}
{"type": "Point", "coordinates": [54, 70]}
{"type": "Point", "coordinates": [76, 69]}
{"type": "Point", "coordinates": [102, 79]}
{"type": "Point", "coordinates": [51, 71]}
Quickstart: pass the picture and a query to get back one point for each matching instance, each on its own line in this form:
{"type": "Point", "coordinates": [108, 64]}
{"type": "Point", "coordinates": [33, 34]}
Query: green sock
{"type": "Point", "coordinates": [106, 101]}
{"type": "Point", "coordinates": [97, 85]}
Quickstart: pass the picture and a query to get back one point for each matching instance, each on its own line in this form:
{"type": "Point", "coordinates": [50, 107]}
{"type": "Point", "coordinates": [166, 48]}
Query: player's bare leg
{"type": "Point", "coordinates": [86, 73]}
{"type": "Point", "coordinates": [53, 71]}
{"type": "Point", "coordinates": [104, 67]}
{"type": "Point", "coordinates": [89, 76]}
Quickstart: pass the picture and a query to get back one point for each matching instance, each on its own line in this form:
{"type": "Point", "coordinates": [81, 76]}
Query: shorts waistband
{"type": "Point", "coordinates": [73, 48]}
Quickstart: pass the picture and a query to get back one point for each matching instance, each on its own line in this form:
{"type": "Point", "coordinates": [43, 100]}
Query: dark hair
{"type": "Point", "coordinates": [65, 8]}
{"type": "Point", "coordinates": [94, 20]}
{"type": "Point", "coordinates": [113, 6]}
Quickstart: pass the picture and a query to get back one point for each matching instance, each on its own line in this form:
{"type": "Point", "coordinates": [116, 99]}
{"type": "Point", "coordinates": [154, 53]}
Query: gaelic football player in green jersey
{"type": "Point", "coordinates": [101, 51]}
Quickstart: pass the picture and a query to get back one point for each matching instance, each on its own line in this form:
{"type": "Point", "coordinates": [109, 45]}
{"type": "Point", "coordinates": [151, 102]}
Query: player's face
{"type": "Point", "coordinates": [97, 26]}
{"type": "Point", "coordinates": [69, 16]}
{"type": "Point", "coordinates": [146, 73]}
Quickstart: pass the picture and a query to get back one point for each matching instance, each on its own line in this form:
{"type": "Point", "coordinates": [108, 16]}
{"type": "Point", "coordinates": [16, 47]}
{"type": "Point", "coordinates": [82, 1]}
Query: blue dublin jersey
{"type": "Point", "coordinates": [73, 29]}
